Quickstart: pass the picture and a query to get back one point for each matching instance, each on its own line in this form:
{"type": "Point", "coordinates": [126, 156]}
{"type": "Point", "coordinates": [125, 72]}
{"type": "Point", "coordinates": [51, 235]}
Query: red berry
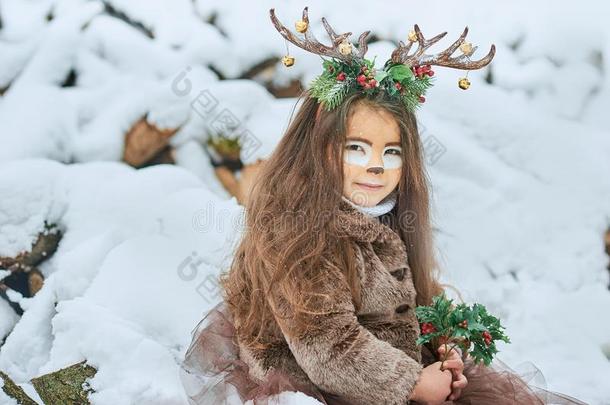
{"type": "Point", "coordinates": [487, 337]}
{"type": "Point", "coordinates": [361, 79]}
{"type": "Point", "coordinates": [427, 327]}
{"type": "Point", "coordinates": [431, 73]}
{"type": "Point", "coordinates": [373, 82]}
{"type": "Point", "coordinates": [420, 71]}
{"type": "Point", "coordinates": [422, 99]}
{"type": "Point", "coordinates": [398, 86]}
{"type": "Point", "coordinates": [341, 76]}
{"type": "Point", "coordinates": [464, 323]}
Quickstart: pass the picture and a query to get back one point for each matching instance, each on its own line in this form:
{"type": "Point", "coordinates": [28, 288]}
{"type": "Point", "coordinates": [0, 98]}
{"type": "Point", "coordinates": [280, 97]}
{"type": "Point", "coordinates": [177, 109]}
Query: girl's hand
{"type": "Point", "coordinates": [456, 365]}
{"type": "Point", "coordinates": [433, 385]}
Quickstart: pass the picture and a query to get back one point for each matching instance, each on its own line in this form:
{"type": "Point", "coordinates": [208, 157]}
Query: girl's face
{"type": "Point", "coordinates": [372, 157]}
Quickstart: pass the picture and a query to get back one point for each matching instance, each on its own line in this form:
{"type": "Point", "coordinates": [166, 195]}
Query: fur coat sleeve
{"type": "Point", "coordinates": [342, 357]}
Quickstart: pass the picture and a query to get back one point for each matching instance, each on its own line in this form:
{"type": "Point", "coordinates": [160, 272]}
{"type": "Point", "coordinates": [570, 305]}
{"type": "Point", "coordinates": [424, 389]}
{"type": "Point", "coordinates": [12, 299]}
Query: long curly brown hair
{"type": "Point", "coordinates": [289, 221]}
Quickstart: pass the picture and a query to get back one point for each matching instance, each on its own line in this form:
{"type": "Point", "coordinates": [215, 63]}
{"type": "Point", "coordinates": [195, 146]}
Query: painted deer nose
{"type": "Point", "coordinates": [375, 170]}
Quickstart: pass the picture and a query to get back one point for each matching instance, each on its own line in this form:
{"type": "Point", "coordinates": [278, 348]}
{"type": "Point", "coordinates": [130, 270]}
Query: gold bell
{"type": "Point", "coordinates": [345, 48]}
{"type": "Point", "coordinates": [464, 83]}
{"type": "Point", "coordinates": [412, 36]}
{"type": "Point", "coordinates": [288, 60]}
{"type": "Point", "coordinates": [301, 26]}
{"type": "Point", "coordinates": [466, 48]}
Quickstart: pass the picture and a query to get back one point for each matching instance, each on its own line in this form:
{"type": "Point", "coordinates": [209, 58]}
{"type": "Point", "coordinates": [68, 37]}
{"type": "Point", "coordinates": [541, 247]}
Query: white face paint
{"type": "Point", "coordinates": [360, 153]}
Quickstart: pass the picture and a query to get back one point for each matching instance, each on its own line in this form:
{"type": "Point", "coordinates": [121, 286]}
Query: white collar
{"type": "Point", "coordinates": [381, 208]}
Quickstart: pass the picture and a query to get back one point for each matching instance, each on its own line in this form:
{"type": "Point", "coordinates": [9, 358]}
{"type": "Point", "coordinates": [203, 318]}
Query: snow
{"type": "Point", "coordinates": [518, 168]}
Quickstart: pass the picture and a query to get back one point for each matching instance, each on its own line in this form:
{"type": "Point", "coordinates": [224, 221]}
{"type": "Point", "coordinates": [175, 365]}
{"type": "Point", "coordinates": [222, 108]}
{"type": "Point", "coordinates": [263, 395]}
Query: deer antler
{"type": "Point", "coordinates": [418, 58]}
{"type": "Point", "coordinates": [311, 44]}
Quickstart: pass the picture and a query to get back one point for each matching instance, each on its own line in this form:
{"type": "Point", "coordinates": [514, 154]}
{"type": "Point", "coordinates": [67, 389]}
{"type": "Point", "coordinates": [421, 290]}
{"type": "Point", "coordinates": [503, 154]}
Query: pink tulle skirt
{"type": "Point", "coordinates": [212, 373]}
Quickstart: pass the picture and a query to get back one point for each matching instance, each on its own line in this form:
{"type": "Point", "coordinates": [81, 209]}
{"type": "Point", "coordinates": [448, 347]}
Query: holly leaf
{"type": "Point", "coordinates": [428, 337]}
{"type": "Point", "coordinates": [400, 72]}
{"type": "Point", "coordinates": [461, 332]}
{"type": "Point", "coordinates": [369, 63]}
{"type": "Point", "coordinates": [380, 75]}
{"type": "Point", "coordinates": [475, 326]}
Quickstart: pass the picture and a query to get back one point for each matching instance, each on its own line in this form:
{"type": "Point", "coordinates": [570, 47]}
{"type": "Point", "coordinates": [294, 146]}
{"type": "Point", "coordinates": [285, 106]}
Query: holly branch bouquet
{"type": "Point", "coordinates": [471, 328]}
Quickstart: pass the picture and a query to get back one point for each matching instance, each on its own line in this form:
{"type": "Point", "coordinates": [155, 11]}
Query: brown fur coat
{"type": "Point", "coordinates": [363, 357]}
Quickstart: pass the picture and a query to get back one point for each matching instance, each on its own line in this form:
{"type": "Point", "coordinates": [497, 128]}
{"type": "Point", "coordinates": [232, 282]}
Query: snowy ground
{"type": "Point", "coordinates": [519, 169]}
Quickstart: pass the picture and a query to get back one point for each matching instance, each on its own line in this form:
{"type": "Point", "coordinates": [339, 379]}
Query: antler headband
{"type": "Point", "coordinates": [406, 76]}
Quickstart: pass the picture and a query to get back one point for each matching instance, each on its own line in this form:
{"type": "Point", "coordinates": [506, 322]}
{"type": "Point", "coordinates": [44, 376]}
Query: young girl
{"type": "Point", "coordinates": [336, 254]}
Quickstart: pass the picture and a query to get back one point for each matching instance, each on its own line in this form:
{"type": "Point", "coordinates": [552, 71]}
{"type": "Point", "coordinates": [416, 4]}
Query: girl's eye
{"type": "Point", "coordinates": [394, 151]}
{"type": "Point", "coordinates": [354, 147]}
{"type": "Point", "coordinates": [392, 158]}
{"type": "Point", "coordinates": [357, 153]}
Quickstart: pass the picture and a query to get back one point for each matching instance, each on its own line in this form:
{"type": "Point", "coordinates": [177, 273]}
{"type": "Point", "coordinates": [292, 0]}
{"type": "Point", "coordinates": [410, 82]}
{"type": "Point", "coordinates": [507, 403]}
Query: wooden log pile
{"type": "Point", "coordinates": [25, 278]}
{"type": "Point", "coordinates": [65, 386]}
